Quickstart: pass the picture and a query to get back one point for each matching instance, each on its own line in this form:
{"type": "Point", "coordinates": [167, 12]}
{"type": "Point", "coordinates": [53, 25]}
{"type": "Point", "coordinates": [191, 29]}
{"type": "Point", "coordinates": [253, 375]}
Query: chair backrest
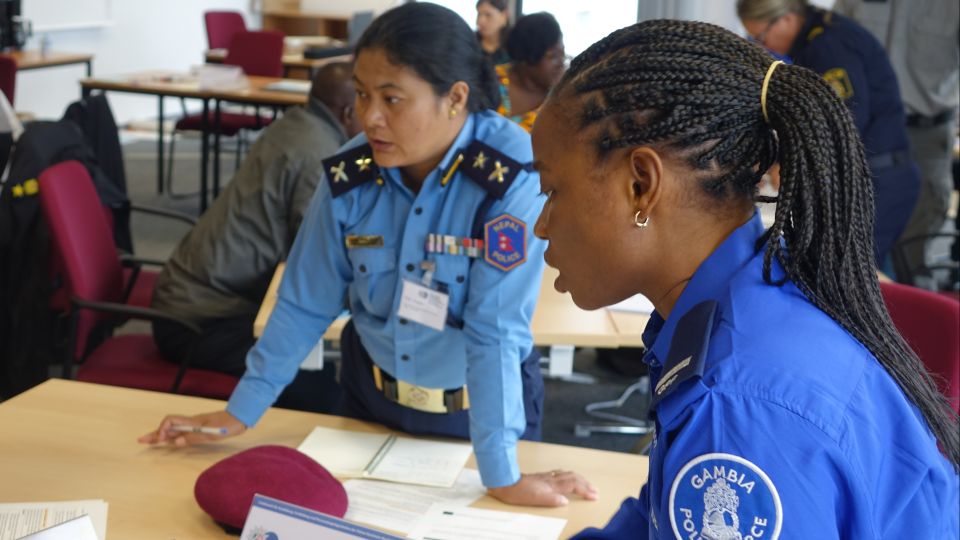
{"type": "Point", "coordinates": [221, 26]}
{"type": "Point", "coordinates": [258, 53]}
{"type": "Point", "coordinates": [81, 235]}
{"type": "Point", "coordinates": [8, 76]}
{"type": "Point", "coordinates": [930, 323]}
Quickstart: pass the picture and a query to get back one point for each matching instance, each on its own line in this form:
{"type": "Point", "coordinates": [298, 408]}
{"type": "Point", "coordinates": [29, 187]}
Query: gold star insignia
{"type": "Point", "coordinates": [498, 171]}
{"type": "Point", "coordinates": [338, 173]}
{"type": "Point", "coordinates": [363, 163]}
{"type": "Point", "coordinates": [480, 161]}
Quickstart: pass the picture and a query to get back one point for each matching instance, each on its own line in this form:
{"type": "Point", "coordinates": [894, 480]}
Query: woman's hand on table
{"type": "Point", "coordinates": [186, 430]}
{"type": "Point", "coordinates": [545, 489]}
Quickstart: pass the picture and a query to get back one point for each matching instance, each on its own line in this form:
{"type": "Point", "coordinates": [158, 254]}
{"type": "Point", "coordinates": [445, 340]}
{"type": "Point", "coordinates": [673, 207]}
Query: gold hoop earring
{"type": "Point", "coordinates": [640, 224]}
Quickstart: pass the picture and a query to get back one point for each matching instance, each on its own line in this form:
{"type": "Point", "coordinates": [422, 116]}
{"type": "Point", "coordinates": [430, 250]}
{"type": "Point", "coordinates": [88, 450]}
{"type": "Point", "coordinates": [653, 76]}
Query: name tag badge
{"type": "Point", "coordinates": [364, 241]}
{"type": "Point", "coordinates": [423, 305]}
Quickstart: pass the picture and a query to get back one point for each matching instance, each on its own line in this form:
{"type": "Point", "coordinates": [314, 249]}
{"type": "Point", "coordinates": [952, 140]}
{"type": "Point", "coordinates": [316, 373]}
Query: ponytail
{"type": "Point", "coordinates": [696, 88]}
{"type": "Point", "coordinates": [825, 215]}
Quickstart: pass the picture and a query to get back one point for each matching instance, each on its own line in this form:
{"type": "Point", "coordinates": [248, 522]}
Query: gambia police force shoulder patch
{"type": "Point", "coordinates": [505, 239]}
{"type": "Point", "coordinates": [724, 497]}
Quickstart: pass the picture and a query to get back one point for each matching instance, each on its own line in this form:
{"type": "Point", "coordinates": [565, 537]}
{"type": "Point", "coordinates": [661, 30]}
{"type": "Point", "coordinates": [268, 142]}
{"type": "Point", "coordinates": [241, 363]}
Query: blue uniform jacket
{"type": "Point", "coordinates": [856, 66]}
{"type": "Point", "coordinates": [490, 308]}
{"type": "Point", "coordinates": [773, 422]}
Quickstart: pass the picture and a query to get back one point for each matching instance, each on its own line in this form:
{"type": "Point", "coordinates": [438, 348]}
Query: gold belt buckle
{"type": "Point", "coordinates": [420, 398]}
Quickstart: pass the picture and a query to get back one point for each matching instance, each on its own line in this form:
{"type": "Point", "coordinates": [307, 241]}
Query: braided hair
{"type": "Point", "coordinates": [694, 88]}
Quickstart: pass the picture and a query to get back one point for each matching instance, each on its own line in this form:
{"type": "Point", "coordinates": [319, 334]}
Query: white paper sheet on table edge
{"type": "Point", "coordinates": [635, 304]}
{"type": "Point", "coordinates": [534, 526]}
{"type": "Point", "coordinates": [468, 479]}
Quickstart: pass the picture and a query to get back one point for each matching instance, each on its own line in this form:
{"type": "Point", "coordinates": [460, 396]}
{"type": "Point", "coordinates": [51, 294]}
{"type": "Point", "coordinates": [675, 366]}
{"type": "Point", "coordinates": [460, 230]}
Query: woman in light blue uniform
{"type": "Point", "coordinates": [422, 225]}
{"type": "Point", "coordinates": [786, 404]}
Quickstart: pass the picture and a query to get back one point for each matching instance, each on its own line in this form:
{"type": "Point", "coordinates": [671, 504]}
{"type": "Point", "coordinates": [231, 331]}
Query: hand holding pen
{"type": "Point", "coordinates": [188, 430]}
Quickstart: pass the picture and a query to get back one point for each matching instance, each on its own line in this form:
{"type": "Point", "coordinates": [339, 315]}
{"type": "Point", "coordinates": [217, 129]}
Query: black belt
{"type": "Point", "coordinates": [919, 120]}
{"type": "Point", "coordinates": [888, 159]}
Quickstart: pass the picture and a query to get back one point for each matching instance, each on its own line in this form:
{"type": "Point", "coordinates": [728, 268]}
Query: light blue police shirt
{"type": "Point", "coordinates": [494, 305]}
{"type": "Point", "coordinates": [774, 422]}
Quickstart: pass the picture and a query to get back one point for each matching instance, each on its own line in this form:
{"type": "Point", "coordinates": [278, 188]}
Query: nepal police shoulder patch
{"type": "Point", "coordinates": [505, 239]}
{"type": "Point", "coordinates": [724, 497]}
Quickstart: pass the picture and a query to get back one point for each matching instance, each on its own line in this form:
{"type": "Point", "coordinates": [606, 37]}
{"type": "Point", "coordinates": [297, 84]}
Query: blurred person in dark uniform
{"type": "Point", "coordinates": [921, 38]}
{"type": "Point", "coordinates": [856, 66]}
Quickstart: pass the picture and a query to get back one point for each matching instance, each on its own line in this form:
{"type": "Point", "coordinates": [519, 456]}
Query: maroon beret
{"type": "Point", "coordinates": [226, 489]}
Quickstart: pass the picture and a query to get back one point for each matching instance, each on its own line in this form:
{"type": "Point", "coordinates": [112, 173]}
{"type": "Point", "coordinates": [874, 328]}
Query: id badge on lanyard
{"type": "Point", "coordinates": [422, 304]}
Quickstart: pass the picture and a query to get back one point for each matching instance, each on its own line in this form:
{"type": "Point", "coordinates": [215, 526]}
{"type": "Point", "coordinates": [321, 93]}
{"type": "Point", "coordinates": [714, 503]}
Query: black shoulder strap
{"type": "Point", "coordinates": [350, 169]}
{"type": "Point", "coordinates": [493, 170]}
{"type": "Point", "coordinates": [688, 350]}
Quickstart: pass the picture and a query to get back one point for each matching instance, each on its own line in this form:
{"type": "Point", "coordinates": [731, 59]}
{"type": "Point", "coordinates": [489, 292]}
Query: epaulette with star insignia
{"type": "Point", "coordinates": [490, 168]}
{"type": "Point", "coordinates": [350, 169]}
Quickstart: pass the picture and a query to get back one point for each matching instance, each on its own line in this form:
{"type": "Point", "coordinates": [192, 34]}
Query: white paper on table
{"type": "Point", "coordinates": [78, 528]}
{"type": "Point", "coordinates": [444, 522]}
{"type": "Point", "coordinates": [354, 454]}
{"type": "Point", "coordinates": [343, 453]}
{"type": "Point", "coordinates": [20, 519]}
{"type": "Point", "coordinates": [635, 304]}
{"type": "Point", "coordinates": [417, 461]}
{"type": "Point", "coordinates": [273, 518]}
{"type": "Point", "coordinates": [295, 87]}
{"type": "Point", "coordinates": [398, 507]}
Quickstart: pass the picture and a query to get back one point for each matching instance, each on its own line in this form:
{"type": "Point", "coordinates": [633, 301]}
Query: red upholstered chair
{"type": "Point", "coordinates": [138, 282]}
{"type": "Point", "coordinates": [8, 76]}
{"type": "Point", "coordinates": [221, 26]}
{"type": "Point", "coordinates": [930, 323]}
{"type": "Point", "coordinates": [80, 234]}
{"type": "Point", "coordinates": [257, 53]}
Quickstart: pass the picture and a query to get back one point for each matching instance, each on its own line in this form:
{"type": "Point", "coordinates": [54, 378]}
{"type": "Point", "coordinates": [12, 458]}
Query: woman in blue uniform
{"type": "Point", "coordinates": [423, 224]}
{"type": "Point", "coordinates": [786, 404]}
{"type": "Point", "coordinates": [857, 68]}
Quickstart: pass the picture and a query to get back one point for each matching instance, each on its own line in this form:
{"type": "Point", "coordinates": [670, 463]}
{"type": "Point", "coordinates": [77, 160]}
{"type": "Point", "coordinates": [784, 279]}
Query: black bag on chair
{"type": "Point", "coordinates": [45, 143]}
{"type": "Point", "coordinates": [28, 336]}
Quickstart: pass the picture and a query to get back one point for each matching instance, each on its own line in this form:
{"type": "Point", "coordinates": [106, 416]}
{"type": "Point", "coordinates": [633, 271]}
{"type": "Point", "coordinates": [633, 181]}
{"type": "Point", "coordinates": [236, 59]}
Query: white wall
{"type": "Point", "coordinates": [144, 34]}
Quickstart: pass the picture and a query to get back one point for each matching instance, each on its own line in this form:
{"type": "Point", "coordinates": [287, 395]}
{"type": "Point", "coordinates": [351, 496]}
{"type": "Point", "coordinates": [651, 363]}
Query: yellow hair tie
{"type": "Point", "coordinates": [763, 90]}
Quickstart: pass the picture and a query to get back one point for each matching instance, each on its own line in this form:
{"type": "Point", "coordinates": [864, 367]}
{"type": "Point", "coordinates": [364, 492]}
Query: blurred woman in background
{"type": "Point", "coordinates": [493, 26]}
{"type": "Point", "coordinates": [536, 47]}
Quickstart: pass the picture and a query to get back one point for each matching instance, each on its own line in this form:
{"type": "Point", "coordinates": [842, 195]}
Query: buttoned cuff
{"type": "Point", "coordinates": [500, 468]}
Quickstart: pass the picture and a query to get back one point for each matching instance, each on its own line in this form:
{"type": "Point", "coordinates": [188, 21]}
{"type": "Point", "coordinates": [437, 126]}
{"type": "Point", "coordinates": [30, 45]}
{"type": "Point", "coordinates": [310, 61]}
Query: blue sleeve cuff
{"type": "Point", "coordinates": [499, 468]}
{"type": "Point", "coordinates": [249, 401]}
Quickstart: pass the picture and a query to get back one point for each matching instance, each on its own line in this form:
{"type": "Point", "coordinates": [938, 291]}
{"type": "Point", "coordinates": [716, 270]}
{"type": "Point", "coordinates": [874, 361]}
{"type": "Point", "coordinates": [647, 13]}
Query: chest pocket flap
{"type": "Point", "coordinates": [374, 278]}
{"type": "Point", "coordinates": [368, 261]}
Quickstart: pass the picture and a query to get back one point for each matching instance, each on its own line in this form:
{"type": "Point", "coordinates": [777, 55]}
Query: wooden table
{"type": "Point", "coordinates": [171, 84]}
{"type": "Point", "coordinates": [290, 61]}
{"type": "Point", "coordinates": [32, 59]}
{"type": "Point", "coordinates": [67, 440]}
{"type": "Point", "coordinates": [557, 323]}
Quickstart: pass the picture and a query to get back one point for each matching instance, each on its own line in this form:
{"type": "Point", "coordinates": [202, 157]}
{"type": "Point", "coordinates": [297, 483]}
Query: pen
{"type": "Point", "coordinates": [199, 429]}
